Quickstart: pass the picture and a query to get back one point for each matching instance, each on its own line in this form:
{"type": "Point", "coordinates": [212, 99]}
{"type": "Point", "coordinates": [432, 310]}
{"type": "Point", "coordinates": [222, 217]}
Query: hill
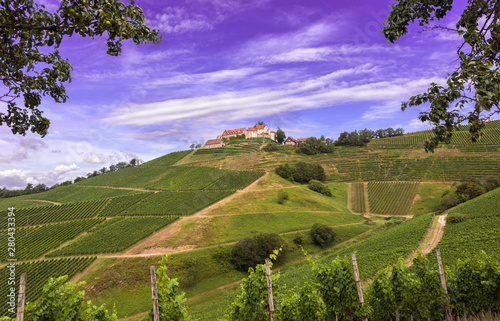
{"type": "Point", "coordinates": [196, 204]}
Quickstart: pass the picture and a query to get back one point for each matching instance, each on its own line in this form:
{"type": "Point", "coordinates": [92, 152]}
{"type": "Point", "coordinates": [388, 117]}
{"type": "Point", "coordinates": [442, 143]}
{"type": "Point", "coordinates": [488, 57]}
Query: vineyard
{"type": "Point", "coordinates": [32, 242]}
{"type": "Point", "coordinates": [120, 204]}
{"type": "Point", "coordinates": [366, 167]}
{"type": "Point", "coordinates": [175, 203]}
{"type": "Point", "coordinates": [167, 160]}
{"type": "Point", "coordinates": [417, 139]}
{"type": "Point", "coordinates": [385, 247]}
{"type": "Point", "coordinates": [391, 197]}
{"type": "Point", "coordinates": [468, 238]}
{"type": "Point", "coordinates": [138, 177]}
{"type": "Point", "coordinates": [55, 213]}
{"type": "Point", "coordinates": [185, 178]}
{"type": "Point", "coordinates": [114, 236]}
{"type": "Point", "coordinates": [485, 205]}
{"type": "Point", "coordinates": [358, 198]}
{"type": "Point", "coordinates": [38, 274]}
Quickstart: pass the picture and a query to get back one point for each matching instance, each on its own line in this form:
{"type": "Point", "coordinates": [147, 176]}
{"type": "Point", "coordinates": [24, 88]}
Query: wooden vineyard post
{"type": "Point", "coordinates": [154, 291]}
{"type": "Point", "coordinates": [449, 316]}
{"type": "Point", "coordinates": [21, 298]}
{"type": "Point", "coordinates": [269, 290]}
{"type": "Point", "coordinates": [358, 280]}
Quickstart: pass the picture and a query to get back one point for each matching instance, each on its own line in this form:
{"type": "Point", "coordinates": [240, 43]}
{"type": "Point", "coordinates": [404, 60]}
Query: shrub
{"type": "Point", "coordinates": [319, 187]}
{"type": "Point", "coordinates": [449, 201]}
{"type": "Point", "coordinates": [298, 239]}
{"type": "Point", "coordinates": [282, 196]}
{"type": "Point", "coordinates": [286, 171]}
{"type": "Point", "coordinates": [301, 172]}
{"type": "Point", "coordinates": [490, 182]}
{"type": "Point", "coordinates": [322, 235]}
{"type": "Point", "coordinates": [270, 148]}
{"type": "Point", "coordinates": [471, 189]}
{"type": "Point", "coordinates": [249, 251]}
{"type": "Point", "coordinates": [244, 254]}
{"type": "Point", "coordinates": [456, 218]}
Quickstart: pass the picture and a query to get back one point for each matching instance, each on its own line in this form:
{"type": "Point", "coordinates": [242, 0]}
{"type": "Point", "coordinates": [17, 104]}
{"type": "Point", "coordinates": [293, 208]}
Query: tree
{"type": "Point", "coordinates": [280, 136]}
{"type": "Point", "coordinates": [28, 32]}
{"type": "Point", "coordinates": [192, 146]}
{"type": "Point", "coordinates": [322, 235]}
{"type": "Point", "coordinates": [476, 81]}
{"type": "Point", "coordinates": [260, 122]}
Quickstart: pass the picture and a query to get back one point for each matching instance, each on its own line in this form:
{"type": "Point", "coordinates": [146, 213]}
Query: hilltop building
{"type": "Point", "coordinates": [258, 131]}
{"type": "Point", "coordinates": [214, 143]}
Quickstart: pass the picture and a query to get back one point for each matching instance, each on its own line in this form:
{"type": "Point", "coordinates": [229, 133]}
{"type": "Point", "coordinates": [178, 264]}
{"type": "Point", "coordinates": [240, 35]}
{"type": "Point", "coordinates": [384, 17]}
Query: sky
{"type": "Point", "coordinates": [310, 67]}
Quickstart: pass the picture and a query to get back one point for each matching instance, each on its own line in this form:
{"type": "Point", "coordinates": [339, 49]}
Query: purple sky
{"type": "Point", "coordinates": [315, 67]}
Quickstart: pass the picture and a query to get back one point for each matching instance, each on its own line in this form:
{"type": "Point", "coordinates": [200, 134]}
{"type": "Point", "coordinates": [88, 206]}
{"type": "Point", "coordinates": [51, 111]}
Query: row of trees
{"type": "Point", "coordinates": [363, 137]}
{"type": "Point", "coordinates": [30, 189]}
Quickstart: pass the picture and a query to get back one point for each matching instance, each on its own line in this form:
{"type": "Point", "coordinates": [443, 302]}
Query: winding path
{"type": "Point", "coordinates": [431, 238]}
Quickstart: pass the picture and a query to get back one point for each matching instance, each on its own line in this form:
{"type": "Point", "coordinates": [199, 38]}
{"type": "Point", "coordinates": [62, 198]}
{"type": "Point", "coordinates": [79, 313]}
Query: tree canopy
{"type": "Point", "coordinates": [474, 83]}
{"type": "Point", "coordinates": [28, 72]}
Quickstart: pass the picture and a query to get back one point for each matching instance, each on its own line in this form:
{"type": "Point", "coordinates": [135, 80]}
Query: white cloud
{"type": "Point", "coordinates": [208, 77]}
{"type": "Point", "coordinates": [323, 91]}
{"type": "Point", "coordinates": [383, 111]}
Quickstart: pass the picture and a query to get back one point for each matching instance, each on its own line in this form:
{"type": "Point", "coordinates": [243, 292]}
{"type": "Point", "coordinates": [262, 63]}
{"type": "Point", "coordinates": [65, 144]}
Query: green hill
{"type": "Point", "coordinates": [197, 204]}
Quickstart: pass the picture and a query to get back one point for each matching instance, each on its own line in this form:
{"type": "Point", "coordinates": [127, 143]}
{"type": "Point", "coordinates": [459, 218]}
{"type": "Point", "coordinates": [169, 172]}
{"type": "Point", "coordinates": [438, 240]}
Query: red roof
{"type": "Point", "coordinates": [291, 139]}
{"type": "Point", "coordinates": [260, 126]}
{"type": "Point", "coordinates": [272, 131]}
{"type": "Point", "coordinates": [237, 131]}
{"type": "Point", "coordinates": [213, 141]}
{"type": "Point", "coordinates": [253, 129]}
{"type": "Point", "coordinates": [301, 139]}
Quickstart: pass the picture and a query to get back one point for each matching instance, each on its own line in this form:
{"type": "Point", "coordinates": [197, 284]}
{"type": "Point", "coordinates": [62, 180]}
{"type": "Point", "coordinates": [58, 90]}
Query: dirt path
{"type": "Point", "coordinates": [431, 238]}
{"type": "Point", "coordinates": [45, 201]}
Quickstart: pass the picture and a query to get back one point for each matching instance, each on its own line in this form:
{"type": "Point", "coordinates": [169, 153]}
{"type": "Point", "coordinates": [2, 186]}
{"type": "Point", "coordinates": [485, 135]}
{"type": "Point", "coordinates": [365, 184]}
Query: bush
{"type": "Point", "coordinates": [298, 239]}
{"type": "Point", "coordinates": [319, 187]}
{"type": "Point", "coordinates": [471, 189]}
{"type": "Point", "coordinates": [301, 172]}
{"type": "Point", "coordinates": [322, 235]}
{"type": "Point", "coordinates": [282, 196]}
{"type": "Point", "coordinates": [456, 218]}
{"type": "Point", "coordinates": [490, 182]}
{"type": "Point", "coordinates": [270, 148]}
{"type": "Point", "coordinates": [449, 201]}
{"type": "Point", "coordinates": [249, 251]}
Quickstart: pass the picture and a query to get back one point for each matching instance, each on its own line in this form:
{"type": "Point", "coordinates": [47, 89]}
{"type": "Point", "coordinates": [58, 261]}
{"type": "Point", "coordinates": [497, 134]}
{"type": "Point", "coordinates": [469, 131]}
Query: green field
{"type": "Point", "coordinates": [114, 237]}
{"type": "Point", "coordinates": [32, 242]}
{"type": "Point", "coordinates": [239, 226]}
